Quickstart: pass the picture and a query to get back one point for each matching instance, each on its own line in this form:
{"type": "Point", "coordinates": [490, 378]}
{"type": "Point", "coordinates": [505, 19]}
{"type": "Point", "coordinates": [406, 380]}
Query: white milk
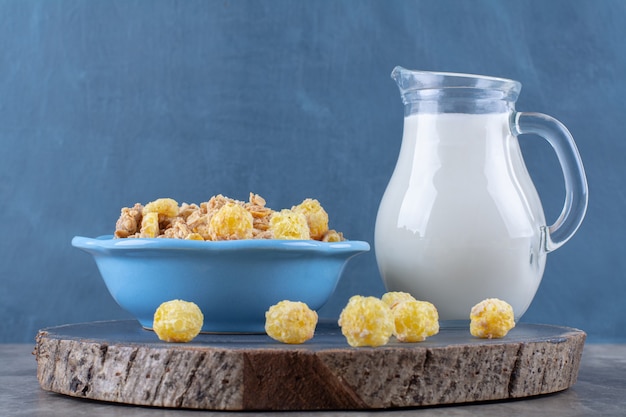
{"type": "Point", "coordinates": [460, 220]}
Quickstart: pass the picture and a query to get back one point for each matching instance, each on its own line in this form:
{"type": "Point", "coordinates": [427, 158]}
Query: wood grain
{"type": "Point", "coordinates": [118, 361]}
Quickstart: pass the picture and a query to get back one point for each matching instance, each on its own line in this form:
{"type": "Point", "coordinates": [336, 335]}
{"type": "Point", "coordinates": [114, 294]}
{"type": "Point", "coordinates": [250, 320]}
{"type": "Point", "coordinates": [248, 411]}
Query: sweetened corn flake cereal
{"type": "Point", "coordinates": [166, 206]}
{"type": "Point", "coordinates": [316, 217]}
{"type": "Point", "coordinates": [415, 320]}
{"type": "Point", "coordinates": [491, 319]}
{"type": "Point", "coordinates": [288, 224]}
{"type": "Point", "coordinates": [150, 225]}
{"type": "Point", "coordinates": [129, 222]}
{"type": "Point", "coordinates": [177, 321]}
{"type": "Point", "coordinates": [290, 322]}
{"type": "Point", "coordinates": [366, 321]}
{"type": "Point", "coordinates": [224, 218]}
{"type": "Point", "coordinates": [392, 298]}
{"type": "Point", "coordinates": [230, 222]}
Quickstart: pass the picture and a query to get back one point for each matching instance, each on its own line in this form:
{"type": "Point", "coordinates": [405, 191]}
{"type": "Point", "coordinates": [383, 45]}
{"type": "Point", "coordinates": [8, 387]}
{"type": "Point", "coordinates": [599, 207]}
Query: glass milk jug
{"type": "Point", "coordinates": [460, 220]}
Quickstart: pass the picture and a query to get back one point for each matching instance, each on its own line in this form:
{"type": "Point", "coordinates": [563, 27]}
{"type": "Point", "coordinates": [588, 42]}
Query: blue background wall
{"type": "Point", "coordinates": [108, 103]}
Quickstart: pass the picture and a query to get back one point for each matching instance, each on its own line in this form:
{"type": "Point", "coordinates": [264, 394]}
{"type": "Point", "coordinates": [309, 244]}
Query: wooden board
{"type": "Point", "coordinates": [121, 362]}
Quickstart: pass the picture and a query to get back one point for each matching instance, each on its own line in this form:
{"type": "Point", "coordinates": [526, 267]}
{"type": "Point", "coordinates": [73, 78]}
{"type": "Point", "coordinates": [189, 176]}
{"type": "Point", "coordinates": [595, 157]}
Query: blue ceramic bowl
{"type": "Point", "coordinates": [233, 282]}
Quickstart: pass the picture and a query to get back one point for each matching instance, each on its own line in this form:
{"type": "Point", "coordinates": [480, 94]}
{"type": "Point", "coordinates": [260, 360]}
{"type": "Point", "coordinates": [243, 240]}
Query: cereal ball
{"type": "Point", "coordinates": [290, 322]}
{"type": "Point", "coordinates": [177, 321]}
{"type": "Point", "coordinates": [491, 318]}
{"type": "Point", "coordinates": [415, 320]}
{"type": "Point", "coordinates": [287, 224]}
{"type": "Point", "coordinates": [392, 298]}
{"type": "Point", "coordinates": [231, 222]}
{"type": "Point", "coordinates": [150, 225]}
{"type": "Point", "coordinates": [316, 217]}
{"type": "Point", "coordinates": [166, 206]}
{"type": "Point", "coordinates": [366, 321]}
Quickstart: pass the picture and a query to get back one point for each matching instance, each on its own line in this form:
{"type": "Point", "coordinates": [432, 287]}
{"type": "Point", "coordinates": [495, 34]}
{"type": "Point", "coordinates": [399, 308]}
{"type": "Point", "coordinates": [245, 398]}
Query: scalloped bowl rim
{"type": "Point", "coordinates": [108, 242]}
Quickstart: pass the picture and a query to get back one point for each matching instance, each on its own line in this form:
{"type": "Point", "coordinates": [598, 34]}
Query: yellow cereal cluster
{"type": "Point", "coordinates": [223, 218]}
{"type": "Point", "coordinates": [369, 321]}
{"type": "Point", "coordinates": [288, 224]}
{"type": "Point", "coordinates": [150, 225]}
{"type": "Point", "coordinates": [415, 320]}
{"type": "Point", "coordinates": [491, 318]}
{"type": "Point", "coordinates": [366, 321]}
{"type": "Point", "coordinates": [290, 322]}
{"type": "Point", "coordinates": [231, 221]}
{"type": "Point", "coordinates": [392, 298]}
{"type": "Point", "coordinates": [166, 206]}
{"type": "Point", "coordinates": [177, 321]}
{"type": "Point", "coordinates": [316, 217]}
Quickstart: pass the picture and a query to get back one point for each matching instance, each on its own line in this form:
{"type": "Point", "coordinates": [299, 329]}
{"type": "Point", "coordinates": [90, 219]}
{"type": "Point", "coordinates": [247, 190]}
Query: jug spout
{"type": "Point", "coordinates": [454, 92]}
{"type": "Point", "coordinates": [414, 80]}
{"type": "Point", "coordinates": [400, 76]}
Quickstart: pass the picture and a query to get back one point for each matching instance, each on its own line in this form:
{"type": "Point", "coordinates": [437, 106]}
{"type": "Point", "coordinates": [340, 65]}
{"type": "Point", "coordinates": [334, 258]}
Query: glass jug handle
{"type": "Point", "coordinates": [576, 191]}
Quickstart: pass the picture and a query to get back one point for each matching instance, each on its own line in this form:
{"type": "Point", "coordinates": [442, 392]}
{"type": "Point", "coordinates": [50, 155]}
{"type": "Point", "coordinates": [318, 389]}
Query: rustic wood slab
{"type": "Point", "coordinates": [119, 361]}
